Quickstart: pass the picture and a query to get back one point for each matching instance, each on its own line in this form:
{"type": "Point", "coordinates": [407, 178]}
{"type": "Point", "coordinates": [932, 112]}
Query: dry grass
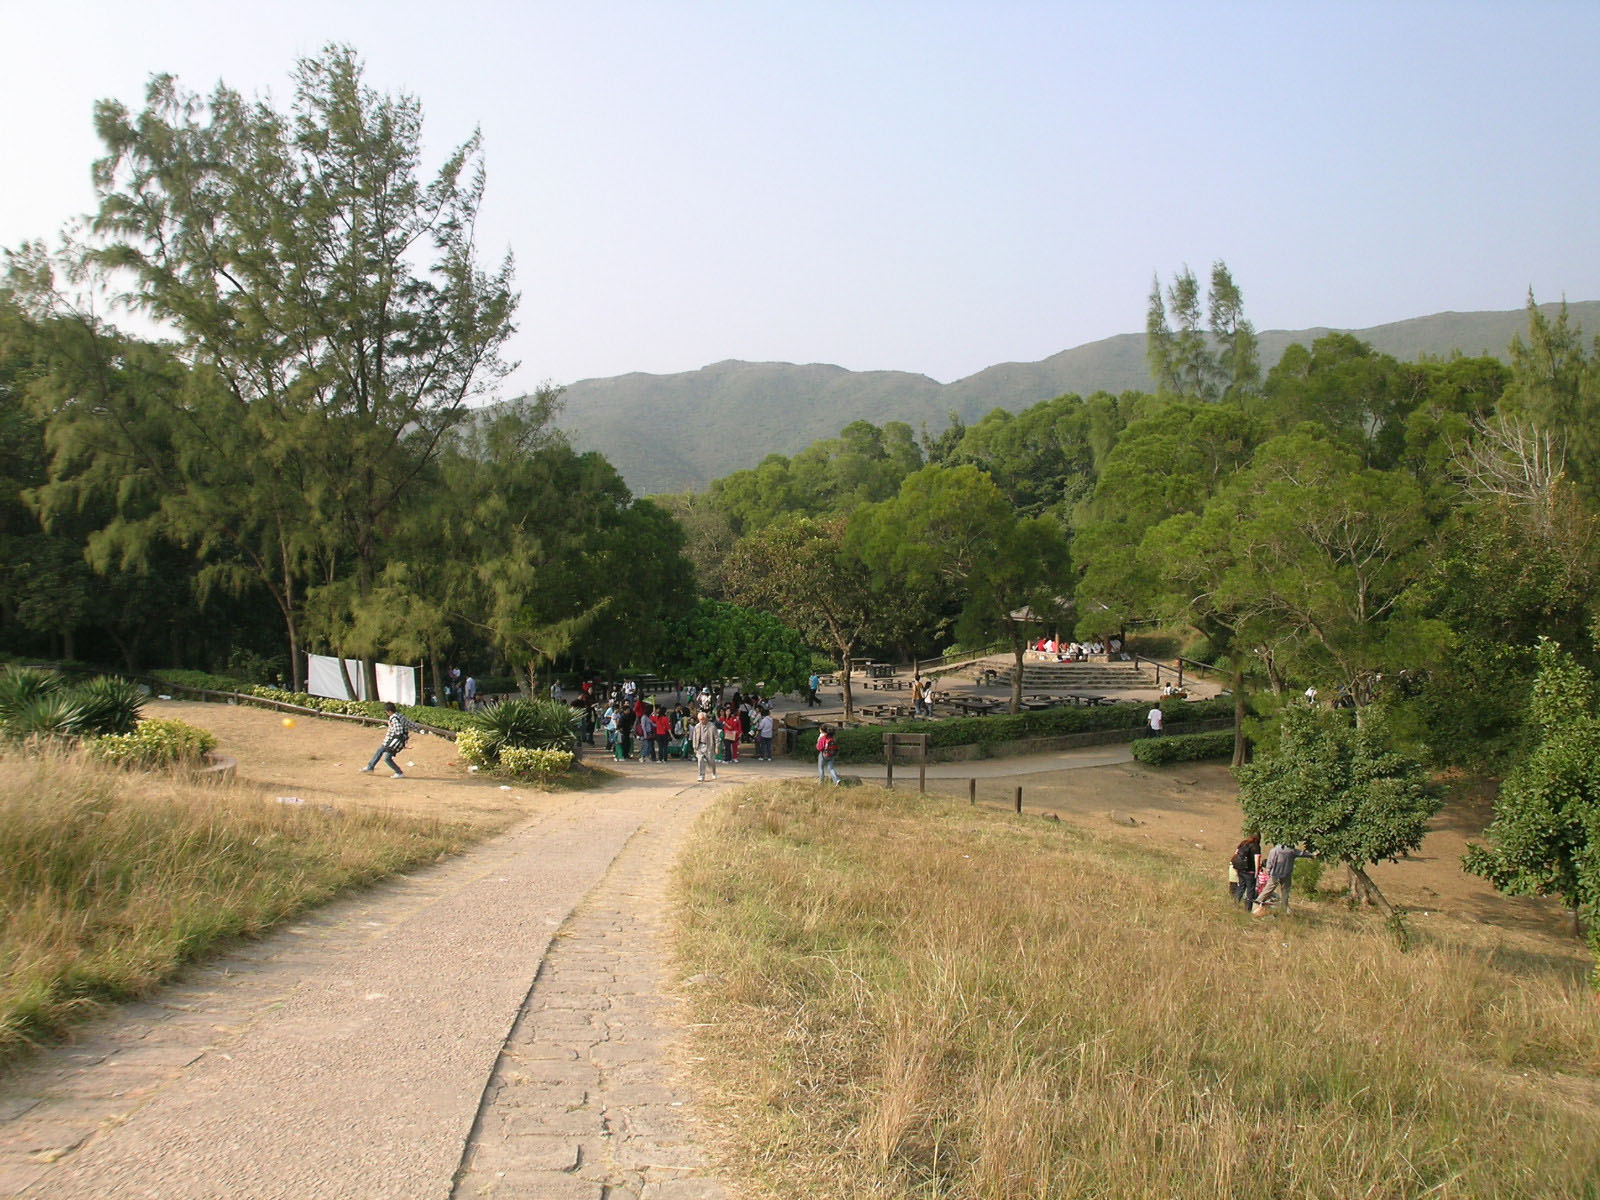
{"type": "Point", "coordinates": [109, 881]}
{"type": "Point", "coordinates": [918, 999]}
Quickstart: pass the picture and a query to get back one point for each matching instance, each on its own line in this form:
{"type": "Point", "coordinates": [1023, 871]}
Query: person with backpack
{"type": "Point", "coordinates": [827, 751]}
{"type": "Point", "coordinates": [1242, 871]}
{"type": "Point", "coordinates": [395, 736]}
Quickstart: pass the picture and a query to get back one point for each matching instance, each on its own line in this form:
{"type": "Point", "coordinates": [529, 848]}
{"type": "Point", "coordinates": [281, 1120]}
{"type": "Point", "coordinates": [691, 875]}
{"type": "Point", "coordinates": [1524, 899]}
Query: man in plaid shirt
{"type": "Point", "coordinates": [394, 740]}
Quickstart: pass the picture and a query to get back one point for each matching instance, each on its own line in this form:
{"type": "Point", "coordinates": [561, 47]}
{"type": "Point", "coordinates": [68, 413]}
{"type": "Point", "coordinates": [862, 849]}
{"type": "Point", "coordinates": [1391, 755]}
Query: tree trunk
{"type": "Point", "coordinates": [1367, 892]}
{"type": "Point", "coordinates": [350, 692]}
{"type": "Point", "coordinates": [1241, 747]}
{"type": "Point", "coordinates": [437, 672]}
{"type": "Point", "coordinates": [1019, 647]}
{"type": "Point", "coordinates": [369, 673]}
{"type": "Point", "coordinates": [849, 698]}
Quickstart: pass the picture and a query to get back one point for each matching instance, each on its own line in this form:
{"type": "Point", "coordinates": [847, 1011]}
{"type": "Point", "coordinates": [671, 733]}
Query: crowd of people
{"type": "Point", "coordinates": [646, 729]}
{"type": "Point", "coordinates": [1053, 647]}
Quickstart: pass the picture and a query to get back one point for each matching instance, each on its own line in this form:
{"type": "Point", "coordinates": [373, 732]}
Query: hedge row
{"type": "Point", "coordinates": [864, 743]}
{"type": "Point", "coordinates": [1188, 747]}
{"type": "Point", "coordinates": [452, 719]}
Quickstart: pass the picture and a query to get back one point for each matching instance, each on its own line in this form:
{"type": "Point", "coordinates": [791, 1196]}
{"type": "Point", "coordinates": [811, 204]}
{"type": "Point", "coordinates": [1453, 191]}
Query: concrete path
{"type": "Point", "coordinates": [347, 1055]}
{"type": "Point", "coordinates": [498, 1026]}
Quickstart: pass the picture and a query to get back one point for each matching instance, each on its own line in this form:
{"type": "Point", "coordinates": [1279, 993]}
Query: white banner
{"type": "Point", "coordinates": [395, 683]}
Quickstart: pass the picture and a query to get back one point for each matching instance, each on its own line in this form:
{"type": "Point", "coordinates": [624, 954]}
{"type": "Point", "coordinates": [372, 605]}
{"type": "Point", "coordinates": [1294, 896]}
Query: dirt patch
{"type": "Point", "coordinates": [1192, 811]}
{"type": "Point", "coordinates": [319, 761]}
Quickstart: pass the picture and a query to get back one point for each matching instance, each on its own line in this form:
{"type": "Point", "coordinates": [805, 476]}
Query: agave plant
{"type": "Point", "coordinates": [20, 689]}
{"type": "Point", "coordinates": [526, 725]}
{"type": "Point", "coordinates": [50, 715]}
{"type": "Point", "coordinates": [110, 705]}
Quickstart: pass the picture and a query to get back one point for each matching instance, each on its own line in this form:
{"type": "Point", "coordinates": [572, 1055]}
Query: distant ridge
{"type": "Point", "coordinates": [666, 433]}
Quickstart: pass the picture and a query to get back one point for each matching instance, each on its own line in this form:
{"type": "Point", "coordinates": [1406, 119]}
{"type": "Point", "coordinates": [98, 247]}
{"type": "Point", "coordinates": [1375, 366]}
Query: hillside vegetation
{"type": "Point", "coordinates": [110, 881]}
{"type": "Point", "coordinates": [903, 997]}
{"type": "Point", "coordinates": [657, 429]}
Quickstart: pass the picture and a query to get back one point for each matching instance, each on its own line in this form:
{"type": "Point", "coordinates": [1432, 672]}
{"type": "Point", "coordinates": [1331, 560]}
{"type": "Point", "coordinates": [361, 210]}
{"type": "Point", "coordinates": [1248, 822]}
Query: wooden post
{"type": "Point", "coordinates": [972, 791]}
{"type": "Point", "coordinates": [922, 765]}
{"type": "Point", "coordinates": [1180, 672]}
{"type": "Point", "coordinates": [1019, 797]}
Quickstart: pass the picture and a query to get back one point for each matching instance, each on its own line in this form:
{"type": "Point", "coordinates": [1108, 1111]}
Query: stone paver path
{"type": "Point", "coordinates": [581, 1103]}
{"type": "Point", "coordinates": [492, 1026]}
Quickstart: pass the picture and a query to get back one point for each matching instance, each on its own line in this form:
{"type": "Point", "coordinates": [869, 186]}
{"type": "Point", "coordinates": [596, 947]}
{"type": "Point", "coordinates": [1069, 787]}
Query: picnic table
{"type": "Point", "coordinates": [976, 706]}
{"type": "Point", "coordinates": [1088, 701]}
{"type": "Point", "coordinates": [880, 670]}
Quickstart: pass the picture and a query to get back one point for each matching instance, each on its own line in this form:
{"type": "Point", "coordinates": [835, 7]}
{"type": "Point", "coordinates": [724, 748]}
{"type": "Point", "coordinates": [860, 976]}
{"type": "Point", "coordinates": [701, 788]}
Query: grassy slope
{"type": "Point", "coordinates": [910, 998]}
{"type": "Point", "coordinates": [110, 881]}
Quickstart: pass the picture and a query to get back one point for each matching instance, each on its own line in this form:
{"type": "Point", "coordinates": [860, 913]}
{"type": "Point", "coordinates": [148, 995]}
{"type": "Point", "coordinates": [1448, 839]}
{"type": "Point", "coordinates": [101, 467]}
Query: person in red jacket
{"type": "Point", "coordinates": [663, 728]}
{"type": "Point", "coordinates": [827, 751]}
{"type": "Point", "coordinates": [732, 731]}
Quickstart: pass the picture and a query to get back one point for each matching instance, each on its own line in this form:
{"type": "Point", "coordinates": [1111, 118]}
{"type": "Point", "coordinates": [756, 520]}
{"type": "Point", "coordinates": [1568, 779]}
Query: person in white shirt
{"type": "Point", "coordinates": [1156, 718]}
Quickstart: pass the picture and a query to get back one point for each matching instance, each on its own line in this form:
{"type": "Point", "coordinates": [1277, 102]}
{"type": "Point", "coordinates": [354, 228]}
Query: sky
{"type": "Point", "coordinates": [932, 187]}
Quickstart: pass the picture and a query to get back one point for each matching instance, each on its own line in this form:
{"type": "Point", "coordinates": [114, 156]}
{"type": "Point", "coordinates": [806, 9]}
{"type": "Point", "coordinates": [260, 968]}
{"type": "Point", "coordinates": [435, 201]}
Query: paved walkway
{"type": "Point", "coordinates": [495, 1026]}
{"type": "Point", "coordinates": [346, 1055]}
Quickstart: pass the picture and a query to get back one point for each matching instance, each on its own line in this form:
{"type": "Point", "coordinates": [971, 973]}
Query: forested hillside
{"type": "Point", "coordinates": [669, 432]}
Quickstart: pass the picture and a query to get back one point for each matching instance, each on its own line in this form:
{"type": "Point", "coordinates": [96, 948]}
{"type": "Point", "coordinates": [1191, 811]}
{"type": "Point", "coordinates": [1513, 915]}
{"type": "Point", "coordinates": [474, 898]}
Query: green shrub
{"type": "Point", "coordinates": [37, 703]}
{"type": "Point", "coordinates": [55, 715]}
{"type": "Point", "coordinates": [21, 688]}
{"type": "Point", "coordinates": [110, 705]}
{"type": "Point", "coordinates": [157, 742]}
{"type": "Point", "coordinates": [1307, 875]}
{"type": "Point", "coordinates": [475, 747]}
{"type": "Point", "coordinates": [526, 725]}
{"type": "Point", "coordinates": [1186, 747]}
{"type": "Point", "coordinates": [200, 680]}
{"type": "Point", "coordinates": [534, 764]}
{"type": "Point", "coordinates": [865, 743]}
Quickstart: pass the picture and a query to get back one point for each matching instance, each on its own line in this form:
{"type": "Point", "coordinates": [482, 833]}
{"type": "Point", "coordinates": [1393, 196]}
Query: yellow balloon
{"type": "Point", "coordinates": [288, 722]}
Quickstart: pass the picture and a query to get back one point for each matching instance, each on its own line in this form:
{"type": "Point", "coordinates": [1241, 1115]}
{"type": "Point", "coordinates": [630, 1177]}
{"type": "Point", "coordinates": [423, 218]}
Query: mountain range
{"type": "Point", "coordinates": [668, 433]}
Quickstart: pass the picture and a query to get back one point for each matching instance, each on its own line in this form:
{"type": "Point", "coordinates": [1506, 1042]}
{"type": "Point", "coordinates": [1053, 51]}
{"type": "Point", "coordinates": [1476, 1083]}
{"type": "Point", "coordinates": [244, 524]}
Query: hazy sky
{"type": "Point", "coordinates": [929, 187]}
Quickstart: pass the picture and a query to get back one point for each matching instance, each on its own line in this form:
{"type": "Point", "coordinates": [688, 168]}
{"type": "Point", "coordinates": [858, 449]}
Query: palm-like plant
{"type": "Point", "coordinates": [110, 705]}
{"type": "Point", "coordinates": [20, 689]}
{"type": "Point", "coordinates": [527, 725]}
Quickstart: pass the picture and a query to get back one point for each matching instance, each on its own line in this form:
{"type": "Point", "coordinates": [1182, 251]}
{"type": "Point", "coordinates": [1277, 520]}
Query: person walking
{"type": "Point", "coordinates": [764, 736]}
{"type": "Point", "coordinates": [1156, 718]}
{"type": "Point", "coordinates": [827, 751]}
{"type": "Point", "coordinates": [395, 736]}
{"type": "Point", "coordinates": [469, 693]}
{"type": "Point", "coordinates": [703, 739]}
{"type": "Point", "coordinates": [1279, 869]}
{"type": "Point", "coordinates": [812, 686]}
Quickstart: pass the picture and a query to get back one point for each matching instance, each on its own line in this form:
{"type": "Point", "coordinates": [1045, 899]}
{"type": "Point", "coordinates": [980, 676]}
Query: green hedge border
{"type": "Point", "coordinates": [864, 743]}
{"type": "Point", "coordinates": [1187, 747]}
